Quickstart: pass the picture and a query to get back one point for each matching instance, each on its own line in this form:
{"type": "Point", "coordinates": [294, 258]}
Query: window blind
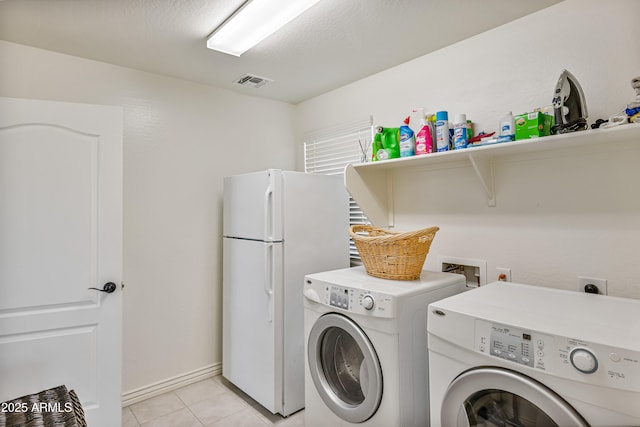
{"type": "Point", "coordinates": [328, 151]}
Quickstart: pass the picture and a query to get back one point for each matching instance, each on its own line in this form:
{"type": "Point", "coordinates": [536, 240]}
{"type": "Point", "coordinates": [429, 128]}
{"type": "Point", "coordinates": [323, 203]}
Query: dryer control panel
{"type": "Point", "coordinates": [561, 356]}
{"type": "Point", "coordinates": [517, 345]}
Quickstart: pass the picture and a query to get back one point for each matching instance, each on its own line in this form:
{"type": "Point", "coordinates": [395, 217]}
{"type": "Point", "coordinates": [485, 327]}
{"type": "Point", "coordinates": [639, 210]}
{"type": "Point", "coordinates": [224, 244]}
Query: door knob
{"type": "Point", "coordinates": [108, 287]}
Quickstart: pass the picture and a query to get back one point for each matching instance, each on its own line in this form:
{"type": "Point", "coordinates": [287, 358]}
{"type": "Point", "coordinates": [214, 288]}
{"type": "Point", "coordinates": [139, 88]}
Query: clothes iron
{"type": "Point", "coordinates": [569, 105]}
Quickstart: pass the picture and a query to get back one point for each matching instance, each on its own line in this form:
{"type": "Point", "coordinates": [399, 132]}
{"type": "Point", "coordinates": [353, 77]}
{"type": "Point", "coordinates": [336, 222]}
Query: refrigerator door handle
{"type": "Point", "coordinates": [268, 213]}
{"type": "Point", "coordinates": [268, 277]}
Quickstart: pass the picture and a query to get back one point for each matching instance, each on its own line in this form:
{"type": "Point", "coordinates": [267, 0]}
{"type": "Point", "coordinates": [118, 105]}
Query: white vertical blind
{"type": "Point", "coordinates": [328, 151]}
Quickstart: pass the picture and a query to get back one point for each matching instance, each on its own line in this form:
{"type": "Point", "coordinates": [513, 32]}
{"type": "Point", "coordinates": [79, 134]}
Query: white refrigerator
{"type": "Point", "coordinates": [278, 226]}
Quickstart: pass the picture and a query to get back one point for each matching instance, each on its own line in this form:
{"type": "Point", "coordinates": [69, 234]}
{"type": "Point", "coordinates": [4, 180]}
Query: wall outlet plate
{"type": "Point", "coordinates": [591, 282]}
{"type": "Point", "coordinates": [506, 272]}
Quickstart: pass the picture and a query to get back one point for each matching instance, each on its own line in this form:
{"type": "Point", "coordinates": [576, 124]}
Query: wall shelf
{"type": "Point", "coordinates": [370, 184]}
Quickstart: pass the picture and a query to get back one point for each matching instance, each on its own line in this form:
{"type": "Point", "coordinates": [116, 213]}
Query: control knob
{"type": "Point", "coordinates": [368, 302]}
{"type": "Point", "coordinates": [583, 360]}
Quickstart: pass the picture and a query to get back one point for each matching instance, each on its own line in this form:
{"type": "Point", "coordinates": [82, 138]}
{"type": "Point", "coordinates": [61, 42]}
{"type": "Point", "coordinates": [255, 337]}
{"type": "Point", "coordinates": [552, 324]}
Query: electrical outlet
{"type": "Point", "coordinates": [592, 285]}
{"type": "Point", "coordinates": [503, 274]}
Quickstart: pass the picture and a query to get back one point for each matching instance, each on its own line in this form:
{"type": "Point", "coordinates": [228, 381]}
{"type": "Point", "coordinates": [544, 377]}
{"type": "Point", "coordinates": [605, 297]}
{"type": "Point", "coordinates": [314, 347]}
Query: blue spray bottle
{"type": "Point", "coordinates": [407, 140]}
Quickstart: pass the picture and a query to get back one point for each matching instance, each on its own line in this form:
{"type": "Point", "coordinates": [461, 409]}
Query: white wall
{"type": "Point", "coordinates": [514, 67]}
{"type": "Point", "coordinates": [556, 217]}
{"type": "Point", "coordinates": [180, 139]}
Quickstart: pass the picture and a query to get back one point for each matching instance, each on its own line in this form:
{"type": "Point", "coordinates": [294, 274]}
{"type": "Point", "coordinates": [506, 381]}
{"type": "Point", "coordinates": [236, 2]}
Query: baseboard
{"type": "Point", "coordinates": [146, 392]}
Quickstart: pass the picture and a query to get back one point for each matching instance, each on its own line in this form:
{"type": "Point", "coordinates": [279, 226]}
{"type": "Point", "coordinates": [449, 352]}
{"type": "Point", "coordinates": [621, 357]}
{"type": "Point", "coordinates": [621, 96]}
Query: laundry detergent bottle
{"type": "Point", "coordinates": [407, 140]}
{"type": "Point", "coordinates": [387, 145]}
{"type": "Point", "coordinates": [424, 137]}
{"type": "Point", "coordinates": [376, 146]}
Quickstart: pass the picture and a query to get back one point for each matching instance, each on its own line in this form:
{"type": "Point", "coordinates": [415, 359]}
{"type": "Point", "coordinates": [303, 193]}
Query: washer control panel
{"type": "Point", "coordinates": [359, 301]}
{"type": "Point", "coordinates": [567, 357]}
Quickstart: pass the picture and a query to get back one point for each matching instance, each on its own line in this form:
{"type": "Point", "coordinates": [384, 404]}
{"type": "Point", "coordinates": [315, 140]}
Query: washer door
{"type": "Point", "coordinates": [345, 368]}
{"type": "Point", "coordinates": [491, 397]}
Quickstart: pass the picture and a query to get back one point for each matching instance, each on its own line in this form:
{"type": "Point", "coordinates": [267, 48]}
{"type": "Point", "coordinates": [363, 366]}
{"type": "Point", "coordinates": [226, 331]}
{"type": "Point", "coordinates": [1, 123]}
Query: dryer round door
{"type": "Point", "coordinates": [345, 368]}
{"type": "Point", "coordinates": [500, 397]}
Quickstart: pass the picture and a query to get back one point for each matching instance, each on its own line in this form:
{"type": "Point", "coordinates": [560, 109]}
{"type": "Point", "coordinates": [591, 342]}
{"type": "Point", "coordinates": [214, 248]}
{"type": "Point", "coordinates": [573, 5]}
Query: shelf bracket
{"type": "Point", "coordinates": [365, 187]}
{"type": "Point", "coordinates": [484, 170]}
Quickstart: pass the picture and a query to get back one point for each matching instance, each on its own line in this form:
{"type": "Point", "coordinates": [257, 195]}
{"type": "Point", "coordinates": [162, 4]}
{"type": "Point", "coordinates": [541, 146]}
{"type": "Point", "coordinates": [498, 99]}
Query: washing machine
{"type": "Point", "coordinates": [365, 341]}
{"type": "Point", "coordinates": [509, 354]}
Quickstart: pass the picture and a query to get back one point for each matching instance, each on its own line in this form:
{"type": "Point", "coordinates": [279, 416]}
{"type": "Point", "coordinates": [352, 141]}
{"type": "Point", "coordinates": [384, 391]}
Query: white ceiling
{"type": "Point", "coordinates": [334, 43]}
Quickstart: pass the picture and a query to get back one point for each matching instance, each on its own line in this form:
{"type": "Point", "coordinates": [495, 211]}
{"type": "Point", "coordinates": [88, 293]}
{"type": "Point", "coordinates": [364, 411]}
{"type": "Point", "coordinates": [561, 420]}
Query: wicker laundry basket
{"type": "Point", "coordinates": [391, 254]}
{"type": "Point", "coordinates": [56, 406]}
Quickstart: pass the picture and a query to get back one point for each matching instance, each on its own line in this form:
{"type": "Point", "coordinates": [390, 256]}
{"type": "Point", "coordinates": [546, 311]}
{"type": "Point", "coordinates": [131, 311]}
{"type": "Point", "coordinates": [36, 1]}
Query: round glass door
{"type": "Point", "coordinates": [495, 397]}
{"type": "Point", "coordinates": [345, 368]}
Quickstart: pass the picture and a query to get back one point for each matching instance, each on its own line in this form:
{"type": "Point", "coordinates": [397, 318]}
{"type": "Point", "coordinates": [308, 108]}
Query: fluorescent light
{"type": "Point", "coordinates": [253, 22]}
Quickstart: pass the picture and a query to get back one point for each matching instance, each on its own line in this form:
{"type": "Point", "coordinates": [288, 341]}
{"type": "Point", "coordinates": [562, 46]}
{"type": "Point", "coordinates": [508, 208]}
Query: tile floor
{"type": "Point", "coordinates": [213, 402]}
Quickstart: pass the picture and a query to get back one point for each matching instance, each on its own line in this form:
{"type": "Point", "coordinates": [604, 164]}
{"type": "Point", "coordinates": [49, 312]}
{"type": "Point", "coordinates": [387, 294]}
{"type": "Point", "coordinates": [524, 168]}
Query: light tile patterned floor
{"type": "Point", "coordinates": [213, 402]}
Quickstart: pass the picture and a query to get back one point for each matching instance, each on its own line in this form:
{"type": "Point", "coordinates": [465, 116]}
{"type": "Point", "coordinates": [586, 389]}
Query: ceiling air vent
{"type": "Point", "coordinates": [253, 81]}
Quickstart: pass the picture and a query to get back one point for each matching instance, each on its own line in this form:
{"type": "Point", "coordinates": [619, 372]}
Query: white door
{"type": "Point", "coordinates": [491, 397]}
{"type": "Point", "coordinates": [60, 234]}
{"type": "Point", "coordinates": [345, 368]}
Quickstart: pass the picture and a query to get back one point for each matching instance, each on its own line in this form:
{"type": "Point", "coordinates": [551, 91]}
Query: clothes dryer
{"type": "Point", "coordinates": [365, 340]}
{"type": "Point", "coordinates": [509, 354]}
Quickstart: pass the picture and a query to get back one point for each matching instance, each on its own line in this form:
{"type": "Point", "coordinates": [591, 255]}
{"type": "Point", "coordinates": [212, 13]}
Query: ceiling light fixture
{"type": "Point", "coordinates": [254, 21]}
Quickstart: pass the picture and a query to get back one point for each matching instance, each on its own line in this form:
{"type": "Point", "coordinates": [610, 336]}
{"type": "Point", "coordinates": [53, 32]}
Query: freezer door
{"type": "Point", "coordinates": [252, 206]}
{"type": "Point", "coordinates": [252, 319]}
